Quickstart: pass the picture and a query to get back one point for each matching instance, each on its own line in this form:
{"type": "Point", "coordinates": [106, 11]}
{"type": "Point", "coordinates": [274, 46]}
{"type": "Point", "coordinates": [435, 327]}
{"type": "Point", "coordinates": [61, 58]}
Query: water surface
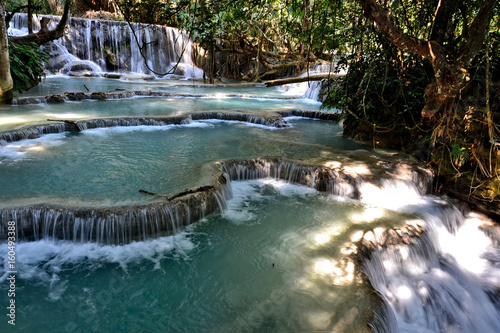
{"type": "Point", "coordinates": [108, 166]}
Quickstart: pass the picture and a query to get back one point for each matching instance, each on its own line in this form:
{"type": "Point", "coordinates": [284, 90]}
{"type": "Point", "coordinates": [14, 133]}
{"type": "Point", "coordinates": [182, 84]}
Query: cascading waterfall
{"type": "Point", "coordinates": [35, 132]}
{"type": "Point", "coordinates": [322, 178]}
{"type": "Point", "coordinates": [101, 95]}
{"type": "Point", "coordinates": [119, 226]}
{"type": "Point", "coordinates": [314, 88]}
{"type": "Point", "coordinates": [435, 284]}
{"type": "Point", "coordinates": [446, 280]}
{"type": "Point", "coordinates": [425, 286]}
{"type": "Point", "coordinates": [110, 46]}
{"type": "Point", "coordinates": [310, 90]}
{"type": "Point", "coordinates": [71, 126]}
{"type": "Point", "coordinates": [116, 225]}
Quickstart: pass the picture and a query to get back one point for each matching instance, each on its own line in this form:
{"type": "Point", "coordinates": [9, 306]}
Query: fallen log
{"type": "Point", "coordinates": [186, 192]}
{"type": "Point", "coordinates": [180, 194]}
{"type": "Point", "coordinates": [298, 79]}
{"type": "Point", "coordinates": [152, 194]}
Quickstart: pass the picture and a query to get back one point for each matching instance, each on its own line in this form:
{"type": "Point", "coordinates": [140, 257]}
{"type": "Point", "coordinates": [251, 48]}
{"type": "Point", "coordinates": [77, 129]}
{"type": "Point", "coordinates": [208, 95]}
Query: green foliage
{"type": "Point", "coordinates": [39, 6]}
{"type": "Point", "coordinates": [383, 93]}
{"type": "Point", "coordinates": [10, 5]}
{"type": "Point", "coordinates": [459, 154]}
{"type": "Point", "coordinates": [264, 33]}
{"type": "Point", "coordinates": [26, 65]}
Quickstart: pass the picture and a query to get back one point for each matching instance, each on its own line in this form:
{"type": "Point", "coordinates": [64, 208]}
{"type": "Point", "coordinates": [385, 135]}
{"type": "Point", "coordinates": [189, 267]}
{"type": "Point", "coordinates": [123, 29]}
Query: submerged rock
{"type": "Point", "coordinates": [78, 96]}
{"type": "Point", "coordinates": [98, 95]}
{"type": "Point", "coordinates": [55, 99]}
{"type": "Point", "coordinates": [84, 73]}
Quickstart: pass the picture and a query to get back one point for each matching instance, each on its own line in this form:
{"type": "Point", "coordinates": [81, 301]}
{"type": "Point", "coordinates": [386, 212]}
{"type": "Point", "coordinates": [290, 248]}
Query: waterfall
{"type": "Point", "coordinates": [445, 280]}
{"type": "Point", "coordinates": [333, 116]}
{"type": "Point", "coordinates": [428, 280]}
{"type": "Point", "coordinates": [34, 132]}
{"type": "Point", "coordinates": [80, 96]}
{"type": "Point", "coordinates": [116, 225]}
{"type": "Point", "coordinates": [310, 90]}
{"type": "Point", "coordinates": [110, 46]}
{"type": "Point", "coordinates": [270, 121]}
{"type": "Point", "coordinates": [339, 181]}
{"type": "Point", "coordinates": [37, 131]}
{"type": "Point", "coordinates": [123, 225]}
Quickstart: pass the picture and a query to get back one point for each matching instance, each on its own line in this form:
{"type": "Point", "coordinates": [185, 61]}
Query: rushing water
{"type": "Point", "coordinates": [256, 268]}
{"type": "Point", "coordinates": [277, 258]}
{"type": "Point", "coordinates": [267, 256]}
{"type": "Point", "coordinates": [447, 281]}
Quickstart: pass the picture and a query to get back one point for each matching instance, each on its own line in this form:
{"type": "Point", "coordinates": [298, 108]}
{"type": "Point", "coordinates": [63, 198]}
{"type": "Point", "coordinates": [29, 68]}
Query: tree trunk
{"type": "Point", "coordinates": [52, 5]}
{"type": "Point", "coordinates": [298, 79]}
{"type": "Point", "coordinates": [6, 84]}
{"type": "Point", "coordinates": [449, 73]}
{"type": "Point", "coordinates": [30, 17]}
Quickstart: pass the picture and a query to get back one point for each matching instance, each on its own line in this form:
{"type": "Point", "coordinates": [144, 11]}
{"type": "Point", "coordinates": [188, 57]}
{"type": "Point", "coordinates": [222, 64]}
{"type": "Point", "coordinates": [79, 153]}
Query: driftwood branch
{"type": "Point", "coordinates": [298, 79]}
{"type": "Point", "coordinates": [153, 194]}
{"type": "Point", "coordinates": [180, 194]}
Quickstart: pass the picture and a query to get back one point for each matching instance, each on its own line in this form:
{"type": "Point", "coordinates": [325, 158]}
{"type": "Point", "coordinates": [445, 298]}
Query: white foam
{"type": "Point", "coordinates": [21, 149]}
{"type": "Point", "coordinates": [219, 121]}
{"type": "Point", "coordinates": [17, 32]}
{"type": "Point", "coordinates": [393, 195]}
{"type": "Point", "coordinates": [105, 131]}
{"type": "Point", "coordinates": [45, 260]}
{"type": "Point", "coordinates": [240, 208]}
{"type": "Point", "coordinates": [438, 283]}
{"type": "Point", "coordinates": [287, 189]}
{"type": "Point", "coordinates": [292, 118]}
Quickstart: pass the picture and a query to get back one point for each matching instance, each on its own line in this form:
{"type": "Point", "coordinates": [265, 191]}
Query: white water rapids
{"type": "Point", "coordinates": [448, 280]}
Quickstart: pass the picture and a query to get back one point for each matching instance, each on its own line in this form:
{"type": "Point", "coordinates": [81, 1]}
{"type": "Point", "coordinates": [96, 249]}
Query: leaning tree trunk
{"type": "Point", "coordinates": [6, 84]}
{"type": "Point", "coordinates": [449, 70]}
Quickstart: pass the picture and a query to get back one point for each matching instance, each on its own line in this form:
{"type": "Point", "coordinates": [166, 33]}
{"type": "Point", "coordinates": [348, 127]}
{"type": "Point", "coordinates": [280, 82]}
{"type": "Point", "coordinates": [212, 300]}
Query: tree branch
{"type": "Point", "coordinates": [45, 35]}
{"type": "Point", "coordinates": [448, 73]}
{"type": "Point", "coordinates": [377, 14]}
